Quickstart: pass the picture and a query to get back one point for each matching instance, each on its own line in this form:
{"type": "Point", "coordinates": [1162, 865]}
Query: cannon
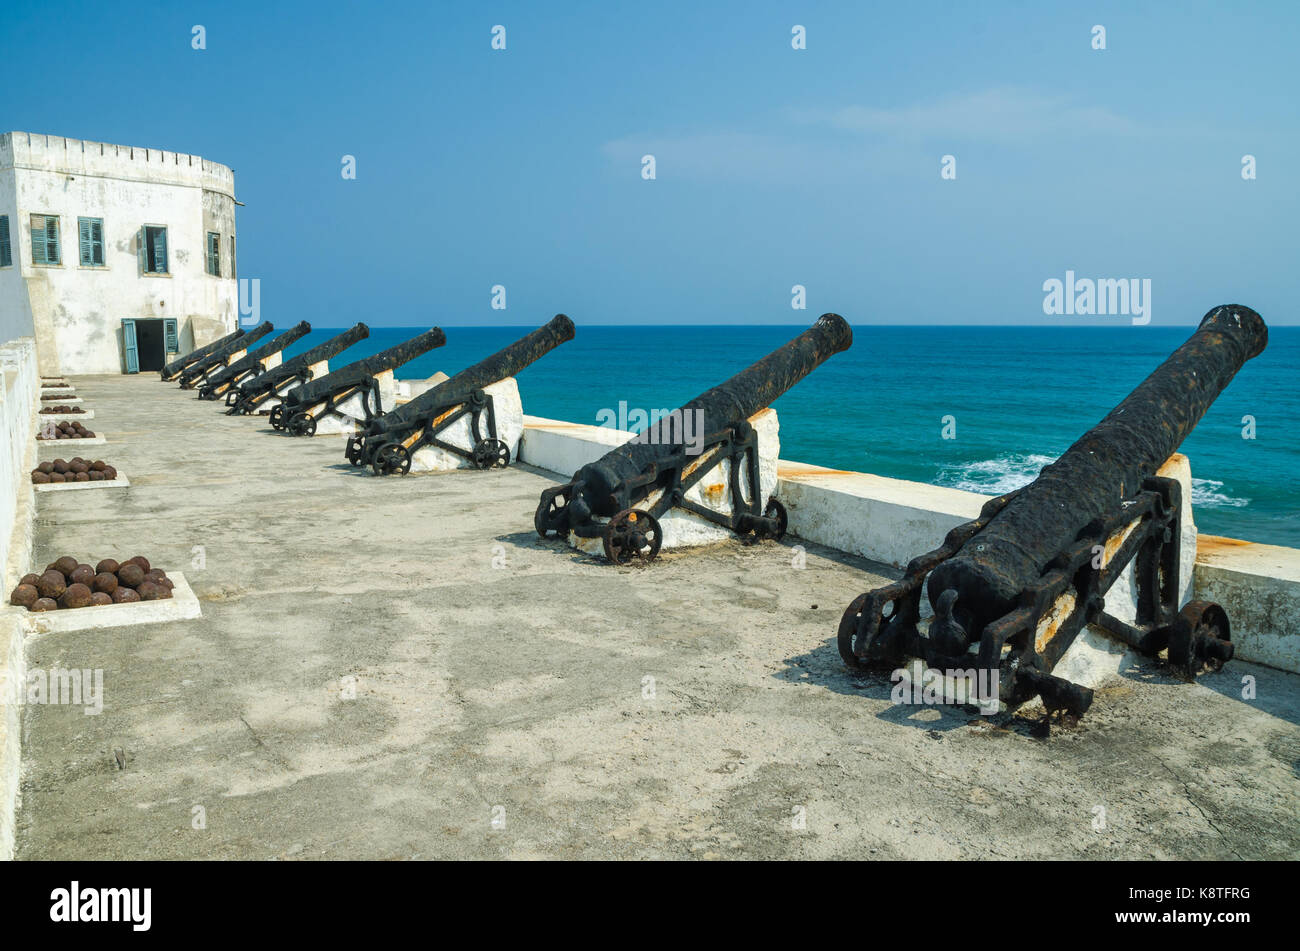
{"type": "Point", "coordinates": [634, 485]}
{"type": "Point", "coordinates": [173, 369]}
{"type": "Point", "coordinates": [387, 443]}
{"type": "Point", "coordinates": [196, 373]}
{"type": "Point", "coordinates": [1012, 589]}
{"type": "Point", "coordinates": [301, 408]}
{"type": "Point", "coordinates": [250, 364]}
{"type": "Point", "coordinates": [247, 397]}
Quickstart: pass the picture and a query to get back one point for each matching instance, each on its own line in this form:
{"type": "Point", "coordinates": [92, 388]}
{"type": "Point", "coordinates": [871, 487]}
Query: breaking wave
{"type": "Point", "coordinates": [1007, 473]}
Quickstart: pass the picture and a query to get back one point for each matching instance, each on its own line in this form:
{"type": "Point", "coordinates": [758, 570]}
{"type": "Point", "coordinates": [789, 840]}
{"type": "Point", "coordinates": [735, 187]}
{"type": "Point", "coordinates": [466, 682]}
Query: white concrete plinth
{"type": "Point", "coordinates": [682, 529]}
{"type": "Point", "coordinates": [509, 414]}
{"type": "Point", "coordinates": [62, 400]}
{"type": "Point", "coordinates": [119, 483]}
{"type": "Point", "coordinates": [180, 606]}
{"type": "Point", "coordinates": [95, 440]}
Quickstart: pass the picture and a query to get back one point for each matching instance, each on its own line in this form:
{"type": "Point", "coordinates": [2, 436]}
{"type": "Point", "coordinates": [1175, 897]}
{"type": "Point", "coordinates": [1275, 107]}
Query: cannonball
{"type": "Point", "coordinates": [82, 574]}
{"type": "Point", "coordinates": [76, 596]}
{"type": "Point", "coordinates": [110, 473]}
{"type": "Point", "coordinates": [125, 595]}
{"type": "Point", "coordinates": [24, 595]}
{"type": "Point", "coordinates": [130, 574]}
{"type": "Point", "coordinates": [109, 565]}
{"type": "Point", "coordinates": [164, 591]}
{"type": "Point", "coordinates": [58, 477]}
{"type": "Point", "coordinates": [87, 434]}
{"type": "Point", "coordinates": [98, 465]}
{"type": "Point", "coordinates": [67, 564]}
{"type": "Point", "coordinates": [81, 477]}
{"type": "Point", "coordinates": [140, 560]}
{"type": "Point", "coordinates": [81, 468]}
{"type": "Point", "coordinates": [40, 478]}
{"type": "Point", "coordinates": [46, 467]}
{"type": "Point", "coordinates": [99, 598]}
{"type": "Point", "coordinates": [52, 584]}
{"type": "Point", "coordinates": [60, 465]}
{"type": "Point", "coordinates": [155, 575]}
{"type": "Point", "coordinates": [148, 591]}
{"type": "Point", "coordinates": [95, 476]}
{"type": "Point", "coordinates": [30, 579]}
{"type": "Point", "coordinates": [44, 604]}
{"type": "Point", "coordinates": [104, 582]}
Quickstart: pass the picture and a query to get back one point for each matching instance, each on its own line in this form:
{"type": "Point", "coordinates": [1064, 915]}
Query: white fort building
{"type": "Point", "coordinates": [113, 258]}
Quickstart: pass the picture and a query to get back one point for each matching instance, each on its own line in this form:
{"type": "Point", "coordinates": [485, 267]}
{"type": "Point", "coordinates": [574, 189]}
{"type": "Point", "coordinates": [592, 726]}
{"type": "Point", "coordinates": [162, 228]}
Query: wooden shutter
{"type": "Point", "coordinates": [129, 346]}
{"type": "Point", "coordinates": [6, 250]}
{"type": "Point", "coordinates": [160, 250]}
{"type": "Point", "coordinates": [169, 332]}
{"type": "Point", "coordinates": [97, 241]}
{"type": "Point", "coordinates": [141, 252]}
{"type": "Point", "coordinates": [85, 241]}
{"type": "Point", "coordinates": [52, 250]}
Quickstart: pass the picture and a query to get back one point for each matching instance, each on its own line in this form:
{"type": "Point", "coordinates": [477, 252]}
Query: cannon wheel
{"type": "Point", "coordinates": [301, 424]}
{"type": "Point", "coordinates": [630, 534]}
{"type": "Point", "coordinates": [1203, 619]}
{"type": "Point", "coordinates": [849, 628]}
{"type": "Point", "coordinates": [277, 417]}
{"type": "Point", "coordinates": [355, 452]}
{"type": "Point", "coordinates": [777, 511]}
{"type": "Point", "coordinates": [549, 512]}
{"type": "Point", "coordinates": [391, 457]}
{"type": "Point", "coordinates": [491, 454]}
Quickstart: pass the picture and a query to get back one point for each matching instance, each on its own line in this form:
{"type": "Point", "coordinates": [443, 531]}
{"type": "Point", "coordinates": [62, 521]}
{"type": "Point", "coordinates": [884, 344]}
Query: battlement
{"type": "Point", "coordinates": [60, 155]}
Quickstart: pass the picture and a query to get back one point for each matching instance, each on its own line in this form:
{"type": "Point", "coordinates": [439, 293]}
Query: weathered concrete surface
{"type": "Point", "coordinates": [524, 687]}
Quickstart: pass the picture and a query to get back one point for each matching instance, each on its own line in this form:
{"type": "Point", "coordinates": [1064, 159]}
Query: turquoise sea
{"type": "Point", "coordinates": [1020, 396]}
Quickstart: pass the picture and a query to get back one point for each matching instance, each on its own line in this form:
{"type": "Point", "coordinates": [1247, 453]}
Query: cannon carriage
{"type": "Point", "coordinates": [355, 386]}
{"type": "Point", "coordinates": [250, 364]}
{"type": "Point", "coordinates": [1012, 589]}
{"type": "Point", "coordinates": [270, 385]}
{"type": "Point", "coordinates": [388, 443]}
{"type": "Point", "coordinates": [173, 370]}
{"type": "Point", "coordinates": [621, 497]}
{"type": "Point", "coordinates": [199, 371]}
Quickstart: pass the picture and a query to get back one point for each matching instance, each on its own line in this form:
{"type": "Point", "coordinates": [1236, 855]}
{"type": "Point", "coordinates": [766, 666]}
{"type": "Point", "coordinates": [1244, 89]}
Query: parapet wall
{"type": "Point", "coordinates": [59, 154]}
{"type": "Point", "coordinates": [18, 401]}
{"type": "Point", "coordinates": [891, 521]}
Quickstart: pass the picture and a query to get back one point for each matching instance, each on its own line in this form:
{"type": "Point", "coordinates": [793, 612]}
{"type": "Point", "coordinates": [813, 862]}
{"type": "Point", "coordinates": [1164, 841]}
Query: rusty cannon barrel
{"type": "Point", "coordinates": [173, 369]}
{"type": "Point", "coordinates": [654, 461]}
{"type": "Point", "coordinates": [231, 376]}
{"type": "Point", "coordinates": [296, 412]}
{"type": "Point", "coordinates": [249, 395]}
{"type": "Point", "coordinates": [1026, 576]}
{"type": "Point", "coordinates": [387, 442]}
{"type": "Point", "coordinates": [220, 357]}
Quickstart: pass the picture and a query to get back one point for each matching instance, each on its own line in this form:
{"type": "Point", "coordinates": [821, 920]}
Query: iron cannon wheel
{"type": "Point", "coordinates": [391, 457]}
{"type": "Point", "coordinates": [491, 454]}
{"type": "Point", "coordinates": [355, 452]}
{"type": "Point", "coordinates": [1197, 626]}
{"type": "Point", "coordinates": [848, 629]}
{"type": "Point", "coordinates": [631, 534]}
{"type": "Point", "coordinates": [777, 511]}
{"type": "Point", "coordinates": [550, 511]}
{"type": "Point", "coordinates": [277, 417]}
{"type": "Point", "coordinates": [302, 424]}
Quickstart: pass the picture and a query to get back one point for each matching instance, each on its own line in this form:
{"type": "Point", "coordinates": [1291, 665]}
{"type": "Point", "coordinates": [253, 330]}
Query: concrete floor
{"type": "Point", "coordinates": [503, 702]}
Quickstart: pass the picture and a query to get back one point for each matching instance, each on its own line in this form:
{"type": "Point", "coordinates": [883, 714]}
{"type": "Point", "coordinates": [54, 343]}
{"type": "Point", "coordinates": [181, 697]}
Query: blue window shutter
{"type": "Point", "coordinates": [169, 331]}
{"type": "Point", "coordinates": [86, 242]}
{"type": "Point", "coordinates": [97, 241]}
{"type": "Point", "coordinates": [52, 237]}
{"type": "Point", "coordinates": [129, 346]}
{"type": "Point", "coordinates": [6, 250]}
{"type": "Point", "coordinates": [38, 239]}
{"type": "Point", "coordinates": [141, 253]}
{"type": "Point", "coordinates": [160, 250]}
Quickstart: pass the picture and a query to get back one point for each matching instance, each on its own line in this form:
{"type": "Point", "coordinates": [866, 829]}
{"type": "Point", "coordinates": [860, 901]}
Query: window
{"type": "Point", "coordinates": [214, 254]}
{"type": "Point", "coordinates": [153, 249]}
{"type": "Point", "coordinates": [232, 255]}
{"type": "Point", "coordinates": [90, 231]}
{"type": "Point", "coordinates": [45, 240]}
{"type": "Point", "coordinates": [6, 251]}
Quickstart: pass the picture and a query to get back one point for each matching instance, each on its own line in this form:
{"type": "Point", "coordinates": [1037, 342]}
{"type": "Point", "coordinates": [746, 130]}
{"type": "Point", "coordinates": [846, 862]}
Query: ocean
{"type": "Point", "coordinates": [1019, 397]}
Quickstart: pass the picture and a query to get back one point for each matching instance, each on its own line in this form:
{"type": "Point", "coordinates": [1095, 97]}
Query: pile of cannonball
{"type": "Point", "coordinates": [55, 386]}
{"type": "Point", "coordinates": [62, 409]}
{"type": "Point", "coordinates": [67, 430]}
{"type": "Point", "coordinates": [68, 583]}
{"type": "Point", "coordinates": [78, 470]}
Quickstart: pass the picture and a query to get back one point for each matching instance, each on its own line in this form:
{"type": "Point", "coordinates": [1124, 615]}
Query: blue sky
{"type": "Point", "coordinates": [774, 167]}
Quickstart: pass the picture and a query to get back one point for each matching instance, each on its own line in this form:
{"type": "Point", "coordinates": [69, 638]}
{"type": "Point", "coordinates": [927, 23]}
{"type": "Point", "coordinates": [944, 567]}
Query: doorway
{"type": "Point", "coordinates": [148, 342]}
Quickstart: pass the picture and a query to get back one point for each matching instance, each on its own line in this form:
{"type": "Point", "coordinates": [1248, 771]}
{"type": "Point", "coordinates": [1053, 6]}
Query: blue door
{"type": "Point", "coordinates": [129, 346]}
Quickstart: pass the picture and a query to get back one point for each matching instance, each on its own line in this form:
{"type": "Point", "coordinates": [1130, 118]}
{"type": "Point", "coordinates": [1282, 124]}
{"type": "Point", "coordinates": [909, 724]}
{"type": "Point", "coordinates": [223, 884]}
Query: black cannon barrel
{"type": "Point", "coordinates": [254, 357]}
{"type": "Point", "coordinates": [180, 363]}
{"type": "Point", "coordinates": [275, 376]}
{"type": "Point", "coordinates": [458, 389]}
{"type": "Point", "coordinates": [749, 391]}
{"type": "Point", "coordinates": [361, 372]}
{"type": "Point", "coordinates": [1105, 467]}
{"type": "Point", "coordinates": [199, 367]}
